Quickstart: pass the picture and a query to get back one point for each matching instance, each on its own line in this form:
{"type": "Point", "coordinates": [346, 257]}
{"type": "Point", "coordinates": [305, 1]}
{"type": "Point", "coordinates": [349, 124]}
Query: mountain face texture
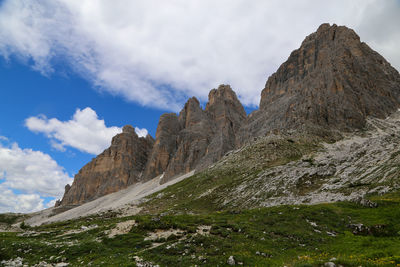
{"type": "Point", "coordinates": [332, 82]}
{"type": "Point", "coordinates": [199, 137]}
{"type": "Point", "coordinates": [116, 168]}
{"type": "Point", "coordinates": [206, 135]}
{"type": "Point", "coordinates": [192, 140]}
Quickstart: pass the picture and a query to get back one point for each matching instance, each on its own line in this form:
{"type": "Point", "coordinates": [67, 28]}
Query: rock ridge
{"type": "Point", "coordinates": [115, 168]}
{"type": "Point", "coordinates": [331, 83]}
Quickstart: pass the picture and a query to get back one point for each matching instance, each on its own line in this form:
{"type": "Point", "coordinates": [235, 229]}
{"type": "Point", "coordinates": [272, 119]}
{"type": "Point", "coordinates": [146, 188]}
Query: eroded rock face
{"type": "Point", "coordinates": [333, 80]}
{"type": "Point", "coordinates": [331, 83]}
{"type": "Point", "coordinates": [228, 115]}
{"type": "Point", "coordinates": [192, 140]}
{"type": "Point", "coordinates": [165, 145]}
{"type": "Point", "coordinates": [206, 135]}
{"type": "Point", "coordinates": [117, 167]}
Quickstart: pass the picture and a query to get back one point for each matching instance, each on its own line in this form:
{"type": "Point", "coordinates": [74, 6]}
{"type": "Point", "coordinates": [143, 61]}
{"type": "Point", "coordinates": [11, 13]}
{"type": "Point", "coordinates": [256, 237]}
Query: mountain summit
{"type": "Point", "coordinates": [332, 82]}
{"type": "Point", "coordinates": [193, 140]}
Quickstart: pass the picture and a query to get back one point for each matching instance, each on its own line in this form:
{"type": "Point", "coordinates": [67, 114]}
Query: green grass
{"type": "Point", "coordinates": [10, 218]}
{"type": "Point", "coordinates": [275, 236]}
{"type": "Point", "coordinates": [219, 181]}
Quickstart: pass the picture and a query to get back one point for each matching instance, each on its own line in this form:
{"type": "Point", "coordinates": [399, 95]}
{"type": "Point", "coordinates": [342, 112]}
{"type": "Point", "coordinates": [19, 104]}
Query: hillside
{"type": "Point", "coordinates": [331, 84]}
{"type": "Point", "coordinates": [338, 234]}
{"type": "Point", "coordinates": [312, 178]}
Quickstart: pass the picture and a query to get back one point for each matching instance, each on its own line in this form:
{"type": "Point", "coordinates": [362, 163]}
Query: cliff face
{"type": "Point", "coordinates": [116, 168]}
{"type": "Point", "coordinates": [165, 145]}
{"type": "Point", "coordinates": [202, 136]}
{"type": "Point", "coordinates": [192, 140]}
{"type": "Point", "coordinates": [332, 82]}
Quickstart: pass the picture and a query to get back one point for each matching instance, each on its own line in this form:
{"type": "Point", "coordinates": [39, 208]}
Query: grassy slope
{"type": "Point", "coordinates": [282, 235]}
{"type": "Point", "coordinates": [206, 191]}
{"type": "Point", "coordinates": [276, 236]}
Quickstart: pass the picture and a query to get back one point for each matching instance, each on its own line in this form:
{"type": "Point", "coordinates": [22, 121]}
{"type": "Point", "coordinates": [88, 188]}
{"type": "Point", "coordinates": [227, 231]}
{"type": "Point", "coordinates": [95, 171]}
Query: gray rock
{"type": "Point", "coordinates": [116, 168]}
{"type": "Point", "coordinates": [328, 86]}
{"type": "Point", "coordinates": [332, 81]}
{"type": "Point", "coordinates": [231, 260]}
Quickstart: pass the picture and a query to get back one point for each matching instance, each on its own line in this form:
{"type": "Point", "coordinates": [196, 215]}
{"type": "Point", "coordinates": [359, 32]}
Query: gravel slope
{"type": "Point", "coordinates": [124, 201]}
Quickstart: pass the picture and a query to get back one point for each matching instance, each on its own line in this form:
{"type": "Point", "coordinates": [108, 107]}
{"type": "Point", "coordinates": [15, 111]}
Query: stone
{"type": "Point", "coordinates": [333, 81]}
{"type": "Point", "coordinates": [192, 140]}
{"type": "Point", "coordinates": [204, 136]}
{"type": "Point", "coordinates": [331, 84]}
{"type": "Point", "coordinates": [228, 116]}
{"type": "Point", "coordinates": [231, 260]}
{"type": "Point", "coordinates": [329, 264]}
{"type": "Point", "coordinates": [117, 167]}
{"type": "Point", "coordinates": [165, 145]}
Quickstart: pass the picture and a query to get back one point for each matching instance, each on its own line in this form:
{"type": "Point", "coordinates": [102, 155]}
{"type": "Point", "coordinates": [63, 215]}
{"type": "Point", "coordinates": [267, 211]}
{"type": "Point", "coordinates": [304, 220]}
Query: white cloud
{"type": "Point", "coordinates": [31, 171]}
{"type": "Point", "coordinates": [26, 176]}
{"type": "Point", "coordinates": [141, 132]}
{"type": "Point", "coordinates": [11, 202]}
{"type": "Point", "coordinates": [85, 131]}
{"type": "Point", "coordinates": [157, 53]}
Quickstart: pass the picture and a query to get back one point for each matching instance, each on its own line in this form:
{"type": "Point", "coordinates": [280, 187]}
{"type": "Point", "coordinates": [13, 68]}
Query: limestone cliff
{"type": "Point", "coordinates": [117, 167]}
{"type": "Point", "coordinates": [333, 82]}
{"type": "Point", "coordinates": [201, 137]}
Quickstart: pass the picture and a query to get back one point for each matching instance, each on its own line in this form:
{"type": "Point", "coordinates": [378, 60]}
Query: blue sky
{"type": "Point", "coordinates": [27, 93]}
{"type": "Point", "coordinates": [72, 73]}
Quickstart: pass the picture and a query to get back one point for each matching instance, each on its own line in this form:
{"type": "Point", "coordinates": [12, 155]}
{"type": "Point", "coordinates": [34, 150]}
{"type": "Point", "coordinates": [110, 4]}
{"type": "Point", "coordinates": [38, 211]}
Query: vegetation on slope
{"type": "Point", "coordinates": [293, 235]}
{"type": "Point", "coordinates": [207, 190]}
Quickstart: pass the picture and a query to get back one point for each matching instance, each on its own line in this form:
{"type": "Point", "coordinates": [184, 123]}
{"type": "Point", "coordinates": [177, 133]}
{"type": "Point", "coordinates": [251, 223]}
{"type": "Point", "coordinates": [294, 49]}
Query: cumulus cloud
{"type": "Point", "coordinates": [85, 131]}
{"type": "Point", "coordinates": [31, 171]}
{"type": "Point", "coordinates": [11, 202]}
{"type": "Point", "coordinates": [157, 53]}
{"type": "Point", "coordinates": [26, 176]}
{"type": "Point", "coordinates": [141, 132]}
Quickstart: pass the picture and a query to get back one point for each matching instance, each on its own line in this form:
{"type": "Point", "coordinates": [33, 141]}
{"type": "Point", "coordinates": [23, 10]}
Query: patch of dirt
{"type": "Point", "coordinates": [81, 230]}
{"type": "Point", "coordinates": [121, 228]}
{"type": "Point", "coordinates": [203, 230]}
{"type": "Point", "coordinates": [153, 236]}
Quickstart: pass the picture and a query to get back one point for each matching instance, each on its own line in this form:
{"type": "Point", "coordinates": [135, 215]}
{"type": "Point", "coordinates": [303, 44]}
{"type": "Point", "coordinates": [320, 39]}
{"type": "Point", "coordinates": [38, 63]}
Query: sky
{"type": "Point", "coordinates": [74, 72]}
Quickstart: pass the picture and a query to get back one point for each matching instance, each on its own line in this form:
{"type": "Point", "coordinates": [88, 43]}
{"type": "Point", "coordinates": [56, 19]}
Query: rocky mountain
{"type": "Point", "coordinates": [192, 140]}
{"type": "Point", "coordinates": [292, 168]}
{"type": "Point", "coordinates": [332, 83]}
{"type": "Point", "coordinates": [206, 135]}
{"type": "Point", "coordinates": [117, 167]}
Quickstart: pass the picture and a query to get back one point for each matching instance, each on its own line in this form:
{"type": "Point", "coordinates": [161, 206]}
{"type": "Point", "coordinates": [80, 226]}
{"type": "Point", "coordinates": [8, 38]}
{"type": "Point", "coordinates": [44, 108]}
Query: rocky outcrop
{"type": "Point", "coordinates": [116, 168]}
{"type": "Point", "coordinates": [332, 81]}
{"type": "Point", "coordinates": [165, 145]}
{"type": "Point", "coordinates": [201, 137]}
{"type": "Point", "coordinates": [228, 115]}
{"type": "Point", "coordinates": [192, 140]}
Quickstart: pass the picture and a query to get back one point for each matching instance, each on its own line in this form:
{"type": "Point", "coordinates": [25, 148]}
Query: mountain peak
{"type": "Point", "coordinates": [128, 129]}
{"type": "Point", "coordinates": [333, 80]}
{"type": "Point", "coordinates": [333, 33]}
